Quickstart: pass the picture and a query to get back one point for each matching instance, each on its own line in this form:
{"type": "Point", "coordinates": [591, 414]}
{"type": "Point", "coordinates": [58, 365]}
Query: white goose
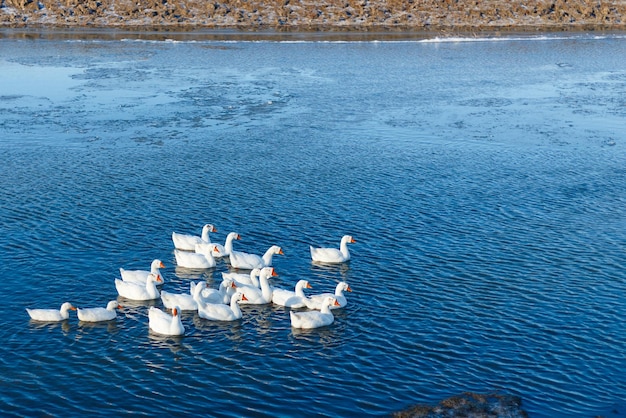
{"type": "Point", "coordinates": [263, 295]}
{"type": "Point", "coordinates": [203, 259]}
{"type": "Point", "coordinates": [333, 255]}
{"type": "Point", "coordinates": [221, 295]}
{"type": "Point", "coordinates": [244, 279]}
{"type": "Point", "coordinates": [51, 315]}
{"type": "Point", "coordinates": [139, 276]}
{"type": "Point", "coordinates": [316, 301]}
{"type": "Point", "coordinates": [134, 291]}
{"type": "Point", "coordinates": [164, 323]}
{"type": "Point", "coordinates": [185, 301]}
{"type": "Point", "coordinates": [99, 314]}
{"type": "Point", "coordinates": [314, 319]}
{"type": "Point", "coordinates": [292, 298]}
{"type": "Point", "coordinates": [221, 312]}
{"type": "Point", "coordinates": [247, 261]}
{"type": "Point", "coordinates": [228, 244]}
{"type": "Point", "coordinates": [218, 250]}
{"type": "Point", "coordinates": [188, 242]}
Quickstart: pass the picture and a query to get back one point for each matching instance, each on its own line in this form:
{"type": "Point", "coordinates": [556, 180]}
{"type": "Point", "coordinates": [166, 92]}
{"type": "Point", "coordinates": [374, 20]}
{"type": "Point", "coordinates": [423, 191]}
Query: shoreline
{"type": "Point", "coordinates": [309, 16]}
{"type": "Point", "coordinates": [270, 34]}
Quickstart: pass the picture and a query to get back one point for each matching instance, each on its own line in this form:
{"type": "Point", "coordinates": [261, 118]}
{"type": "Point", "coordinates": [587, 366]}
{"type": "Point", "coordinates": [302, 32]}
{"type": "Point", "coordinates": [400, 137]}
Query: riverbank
{"type": "Point", "coordinates": [309, 15]}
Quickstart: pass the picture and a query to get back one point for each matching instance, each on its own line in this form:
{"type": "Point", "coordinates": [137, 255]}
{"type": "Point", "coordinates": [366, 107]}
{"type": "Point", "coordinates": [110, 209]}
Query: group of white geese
{"type": "Point", "coordinates": [222, 304]}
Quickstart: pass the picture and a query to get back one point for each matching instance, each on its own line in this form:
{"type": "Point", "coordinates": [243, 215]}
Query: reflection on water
{"type": "Point", "coordinates": [327, 269]}
{"type": "Point", "coordinates": [173, 342]}
{"type": "Point", "coordinates": [315, 339]}
{"type": "Point", "coordinates": [110, 326]}
{"type": "Point", "coordinates": [194, 274]}
{"type": "Point", "coordinates": [65, 326]}
{"type": "Point", "coordinates": [132, 306]}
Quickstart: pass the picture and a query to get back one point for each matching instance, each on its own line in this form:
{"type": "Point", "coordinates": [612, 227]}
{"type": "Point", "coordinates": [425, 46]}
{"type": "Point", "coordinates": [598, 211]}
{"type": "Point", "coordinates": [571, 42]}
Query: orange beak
{"type": "Point", "coordinates": [352, 241]}
{"type": "Point", "coordinates": [214, 229]}
{"type": "Point", "coordinates": [349, 289]}
{"type": "Point", "coordinates": [308, 286]}
{"type": "Point", "coordinates": [162, 265]}
{"type": "Point", "coordinates": [217, 250]}
{"type": "Point", "coordinates": [119, 306]}
{"type": "Point", "coordinates": [281, 251]}
{"type": "Point", "coordinates": [337, 303]}
{"type": "Point", "coordinates": [73, 308]}
{"type": "Point", "coordinates": [243, 297]}
{"type": "Point", "coordinates": [233, 285]}
{"type": "Point", "coordinates": [174, 312]}
{"type": "Point", "coordinates": [238, 236]}
{"type": "Point", "coordinates": [274, 272]}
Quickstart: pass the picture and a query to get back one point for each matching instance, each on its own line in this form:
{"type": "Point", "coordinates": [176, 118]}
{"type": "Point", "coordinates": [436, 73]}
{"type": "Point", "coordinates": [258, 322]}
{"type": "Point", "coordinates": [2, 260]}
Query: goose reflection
{"type": "Point", "coordinates": [38, 325]}
{"type": "Point", "coordinates": [111, 326]}
{"type": "Point", "coordinates": [172, 342]}
{"type": "Point", "coordinates": [327, 337]}
{"type": "Point", "coordinates": [191, 274]}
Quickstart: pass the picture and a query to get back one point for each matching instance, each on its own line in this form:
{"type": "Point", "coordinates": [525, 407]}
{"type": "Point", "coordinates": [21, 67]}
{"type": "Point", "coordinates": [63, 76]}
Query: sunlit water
{"type": "Point", "coordinates": [484, 181]}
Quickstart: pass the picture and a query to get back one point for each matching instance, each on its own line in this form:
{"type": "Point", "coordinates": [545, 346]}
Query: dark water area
{"type": "Point", "coordinates": [484, 180]}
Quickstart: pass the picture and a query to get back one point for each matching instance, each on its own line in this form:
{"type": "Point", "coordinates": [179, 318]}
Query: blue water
{"type": "Point", "coordinates": [484, 181]}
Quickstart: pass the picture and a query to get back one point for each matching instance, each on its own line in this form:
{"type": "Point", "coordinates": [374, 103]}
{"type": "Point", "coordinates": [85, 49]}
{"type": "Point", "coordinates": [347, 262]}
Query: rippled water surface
{"type": "Point", "coordinates": [484, 181]}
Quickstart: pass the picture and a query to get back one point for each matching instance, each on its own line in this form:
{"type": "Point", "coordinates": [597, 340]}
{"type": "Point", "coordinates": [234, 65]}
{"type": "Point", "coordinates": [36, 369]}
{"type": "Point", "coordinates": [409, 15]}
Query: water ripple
{"type": "Point", "coordinates": [488, 221]}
